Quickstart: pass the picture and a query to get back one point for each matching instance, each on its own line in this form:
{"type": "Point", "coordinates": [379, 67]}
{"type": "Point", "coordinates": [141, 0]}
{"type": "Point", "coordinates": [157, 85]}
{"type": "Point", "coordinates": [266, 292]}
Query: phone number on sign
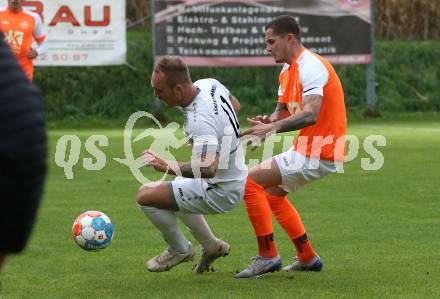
{"type": "Point", "coordinates": [64, 57]}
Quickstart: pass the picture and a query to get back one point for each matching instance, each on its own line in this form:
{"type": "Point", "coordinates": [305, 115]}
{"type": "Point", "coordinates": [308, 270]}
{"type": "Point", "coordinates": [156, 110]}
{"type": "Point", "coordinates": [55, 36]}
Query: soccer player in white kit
{"type": "Point", "coordinates": [212, 182]}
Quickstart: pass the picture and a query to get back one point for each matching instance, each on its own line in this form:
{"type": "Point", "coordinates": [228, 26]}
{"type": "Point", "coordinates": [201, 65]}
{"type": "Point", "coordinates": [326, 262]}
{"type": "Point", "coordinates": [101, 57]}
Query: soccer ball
{"type": "Point", "coordinates": [92, 230]}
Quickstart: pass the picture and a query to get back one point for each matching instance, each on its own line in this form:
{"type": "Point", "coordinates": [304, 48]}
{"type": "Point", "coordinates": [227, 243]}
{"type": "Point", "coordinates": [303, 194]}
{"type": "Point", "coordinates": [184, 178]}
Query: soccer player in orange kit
{"type": "Point", "coordinates": [310, 99]}
{"type": "Point", "coordinates": [20, 28]}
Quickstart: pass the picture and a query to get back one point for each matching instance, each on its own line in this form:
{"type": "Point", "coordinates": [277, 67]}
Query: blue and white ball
{"type": "Point", "coordinates": [92, 230]}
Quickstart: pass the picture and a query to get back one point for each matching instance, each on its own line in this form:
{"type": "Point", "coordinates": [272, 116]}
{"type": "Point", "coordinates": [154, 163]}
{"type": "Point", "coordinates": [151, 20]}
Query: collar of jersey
{"type": "Point", "coordinates": [297, 56]}
{"type": "Point", "coordinates": [188, 107]}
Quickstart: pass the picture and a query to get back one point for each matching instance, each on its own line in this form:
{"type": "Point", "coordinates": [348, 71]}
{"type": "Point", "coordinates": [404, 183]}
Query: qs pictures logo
{"type": "Point", "coordinates": [68, 148]}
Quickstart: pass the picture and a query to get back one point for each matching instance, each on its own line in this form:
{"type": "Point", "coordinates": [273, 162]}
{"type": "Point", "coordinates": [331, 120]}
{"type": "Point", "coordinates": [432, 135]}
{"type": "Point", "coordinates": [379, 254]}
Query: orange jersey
{"type": "Point", "coordinates": [20, 29]}
{"type": "Point", "coordinates": [311, 74]}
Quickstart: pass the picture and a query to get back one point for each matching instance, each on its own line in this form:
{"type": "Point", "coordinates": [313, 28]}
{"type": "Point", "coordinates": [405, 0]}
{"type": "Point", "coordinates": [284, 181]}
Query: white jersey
{"type": "Point", "coordinates": [212, 127]}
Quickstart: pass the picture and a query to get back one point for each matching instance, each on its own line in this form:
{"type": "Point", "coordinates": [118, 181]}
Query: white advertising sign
{"type": "Point", "coordinates": [81, 33]}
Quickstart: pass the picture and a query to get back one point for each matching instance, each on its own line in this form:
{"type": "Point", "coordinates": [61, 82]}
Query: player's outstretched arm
{"type": "Point", "coordinates": [305, 118]}
{"type": "Point", "coordinates": [204, 167]}
{"type": "Point", "coordinates": [280, 113]}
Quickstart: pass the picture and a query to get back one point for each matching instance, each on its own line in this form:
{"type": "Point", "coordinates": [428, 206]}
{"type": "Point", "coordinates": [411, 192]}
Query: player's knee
{"type": "Point", "coordinates": [144, 196]}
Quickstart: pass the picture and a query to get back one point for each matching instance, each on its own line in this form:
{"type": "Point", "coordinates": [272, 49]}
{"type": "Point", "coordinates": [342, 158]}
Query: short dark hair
{"type": "Point", "coordinates": [175, 70]}
{"type": "Point", "coordinates": [283, 25]}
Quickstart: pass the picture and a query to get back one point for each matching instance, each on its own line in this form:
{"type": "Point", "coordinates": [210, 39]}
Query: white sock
{"type": "Point", "coordinates": [166, 222]}
{"type": "Point", "coordinates": [199, 228]}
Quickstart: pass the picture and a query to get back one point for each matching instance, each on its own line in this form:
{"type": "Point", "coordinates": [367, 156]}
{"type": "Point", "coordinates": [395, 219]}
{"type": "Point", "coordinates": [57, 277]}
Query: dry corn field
{"type": "Point", "coordinates": [405, 19]}
{"type": "Point", "coordinates": [408, 19]}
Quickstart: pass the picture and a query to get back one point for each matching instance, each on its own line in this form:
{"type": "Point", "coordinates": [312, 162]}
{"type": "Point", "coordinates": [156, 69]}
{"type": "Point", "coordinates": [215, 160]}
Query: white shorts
{"type": "Point", "coordinates": [197, 196]}
{"type": "Point", "coordinates": [297, 169]}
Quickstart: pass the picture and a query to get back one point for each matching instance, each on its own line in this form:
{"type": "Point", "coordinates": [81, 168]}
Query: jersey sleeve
{"type": "Point", "coordinates": [283, 78]}
{"type": "Point", "coordinates": [204, 146]}
{"type": "Point", "coordinates": [281, 98]}
{"type": "Point", "coordinates": [314, 77]}
{"type": "Point", "coordinates": [204, 139]}
{"type": "Point", "coordinates": [38, 33]}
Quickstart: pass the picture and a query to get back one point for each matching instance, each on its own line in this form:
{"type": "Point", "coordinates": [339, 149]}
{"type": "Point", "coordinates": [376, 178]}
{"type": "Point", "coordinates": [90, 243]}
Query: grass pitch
{"type": "Point", "coordinates": [376, 231]}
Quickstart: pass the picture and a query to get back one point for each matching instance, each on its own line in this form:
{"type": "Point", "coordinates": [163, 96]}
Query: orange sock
{"type": "Point", "coordinates": [259, 214]}
{"type": "Point", "coordinates": [290, 221]}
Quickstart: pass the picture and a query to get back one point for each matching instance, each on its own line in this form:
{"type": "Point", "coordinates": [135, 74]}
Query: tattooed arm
{"type": "Point", "coordinates": [307, 117]}
{"type": "Point", "coordinates": [280, 113]}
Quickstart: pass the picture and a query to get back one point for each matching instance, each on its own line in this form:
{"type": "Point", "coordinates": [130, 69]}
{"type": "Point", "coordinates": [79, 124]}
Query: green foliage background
{"type": "Point", "coordinates": [408, 76]}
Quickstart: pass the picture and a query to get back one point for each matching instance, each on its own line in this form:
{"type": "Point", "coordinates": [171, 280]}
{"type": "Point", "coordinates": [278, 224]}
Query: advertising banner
{"type": "Point", "coordinates": [81, 33]}
{"type": "Point", "coordinates": [225, 33]}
